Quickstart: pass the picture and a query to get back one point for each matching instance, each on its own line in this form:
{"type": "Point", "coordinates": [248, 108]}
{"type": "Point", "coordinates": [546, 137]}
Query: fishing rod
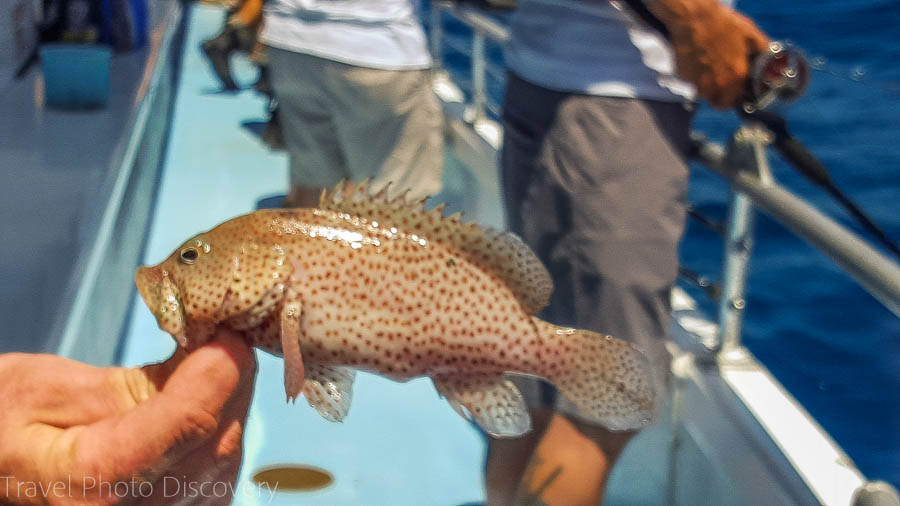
{"type": "Point", "coordinates": [711, 289]}
{"type": "Point", "coordinates": [781, 75]}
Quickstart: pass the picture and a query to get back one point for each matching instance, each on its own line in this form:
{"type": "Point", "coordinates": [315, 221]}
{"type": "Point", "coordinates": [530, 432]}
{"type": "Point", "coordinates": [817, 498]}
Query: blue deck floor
{"type": "Point", "coordinates": [400, 444]}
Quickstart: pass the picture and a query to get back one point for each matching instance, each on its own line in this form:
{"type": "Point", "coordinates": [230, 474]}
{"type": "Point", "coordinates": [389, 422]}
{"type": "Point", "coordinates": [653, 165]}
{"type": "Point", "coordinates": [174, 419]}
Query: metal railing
{"type": "Point", "coordinates": [483, 29]}
{"type": "Point", "coordinates": [744, 164]}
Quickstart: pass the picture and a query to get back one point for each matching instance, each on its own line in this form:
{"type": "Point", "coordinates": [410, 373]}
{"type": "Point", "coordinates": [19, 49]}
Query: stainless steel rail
{"type": "Point", "coordinates": [483, 29]}
{"type": "Point", "coordinates": [743, 164]}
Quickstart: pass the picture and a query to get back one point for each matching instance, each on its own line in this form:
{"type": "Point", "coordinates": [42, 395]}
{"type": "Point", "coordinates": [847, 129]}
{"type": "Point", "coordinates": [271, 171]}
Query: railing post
{"type": "Point", "coordinates": [479, 93]}
{"type": "Point", "coordinates": [437, 35]}
{"type": "Point", "coordinates": [747, 152]}
{"type": "Point", "coordinates": [738, 243]}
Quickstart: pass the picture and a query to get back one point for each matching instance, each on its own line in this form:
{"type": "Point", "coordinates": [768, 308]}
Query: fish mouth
{"type": "Point", "coordinates": [160, 295]}
{"type": "Point", "coordinates": [148, 280]}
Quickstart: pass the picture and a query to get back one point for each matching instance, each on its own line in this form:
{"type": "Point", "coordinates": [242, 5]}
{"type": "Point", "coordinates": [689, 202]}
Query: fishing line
{"type": "Point", "coordinates": [857, 74]}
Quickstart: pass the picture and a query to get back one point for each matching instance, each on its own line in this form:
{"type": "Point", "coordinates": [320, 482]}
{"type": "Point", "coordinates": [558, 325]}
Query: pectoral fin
{"type": "Point", "coordinates": [259, 275]}
{"type": "Point", "coordinates": [329, 390]}
{"type": "Point", "coordinates": [290, 349]}
{"type": "Point", "coordinates": [493, 402]}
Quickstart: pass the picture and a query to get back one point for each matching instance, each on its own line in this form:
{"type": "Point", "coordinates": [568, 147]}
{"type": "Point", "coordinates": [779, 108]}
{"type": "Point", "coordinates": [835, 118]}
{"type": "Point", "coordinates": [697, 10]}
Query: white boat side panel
{"type": "Point", "coordinates": [696, 479]}
{"type": "Point", "coordinates": [828, 471]}
{"type": "Point", "coordinates": [713, 426]}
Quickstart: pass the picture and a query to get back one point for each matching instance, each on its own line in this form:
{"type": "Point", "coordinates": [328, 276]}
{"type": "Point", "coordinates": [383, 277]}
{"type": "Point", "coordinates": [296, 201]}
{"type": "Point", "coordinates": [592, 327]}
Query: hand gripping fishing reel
{"type": "Point", "coordinates": [779, 74]}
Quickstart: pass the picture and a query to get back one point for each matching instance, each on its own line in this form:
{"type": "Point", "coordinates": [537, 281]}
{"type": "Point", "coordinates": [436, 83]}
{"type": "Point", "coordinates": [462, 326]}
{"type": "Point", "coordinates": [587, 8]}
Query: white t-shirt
{"type": "Point", "coordinates": [380, 34]}
{"type": "Point", "coordinates": [593, 47]}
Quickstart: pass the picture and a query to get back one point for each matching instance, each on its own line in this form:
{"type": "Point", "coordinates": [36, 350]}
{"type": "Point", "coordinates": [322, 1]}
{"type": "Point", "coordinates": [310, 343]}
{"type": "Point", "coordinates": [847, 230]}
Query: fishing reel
{"type": "Point", "coordinates": [779, 74]}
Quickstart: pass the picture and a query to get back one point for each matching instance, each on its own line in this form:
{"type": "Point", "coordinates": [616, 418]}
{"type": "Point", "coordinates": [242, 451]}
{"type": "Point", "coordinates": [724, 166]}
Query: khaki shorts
{"type": "Point", "coordinates": [346, 122]}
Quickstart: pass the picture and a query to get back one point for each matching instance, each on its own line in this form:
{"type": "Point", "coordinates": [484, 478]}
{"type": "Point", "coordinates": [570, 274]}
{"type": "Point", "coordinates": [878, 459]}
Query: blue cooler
{"type": "Point", "coordinates": [76, 76]}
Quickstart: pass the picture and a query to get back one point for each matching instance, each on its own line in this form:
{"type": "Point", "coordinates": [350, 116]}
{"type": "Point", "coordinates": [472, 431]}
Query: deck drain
{"type": "Point", "coordinates": [293, 478]}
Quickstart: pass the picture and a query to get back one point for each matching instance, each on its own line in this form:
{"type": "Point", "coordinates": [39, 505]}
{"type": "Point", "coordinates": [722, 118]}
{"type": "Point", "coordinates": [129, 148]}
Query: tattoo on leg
{"type": "Point", "coordinates": [535, 497]}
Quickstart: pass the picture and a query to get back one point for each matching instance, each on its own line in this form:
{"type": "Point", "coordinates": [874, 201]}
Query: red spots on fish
{"type": "Point", "coordinates": [418, 294]}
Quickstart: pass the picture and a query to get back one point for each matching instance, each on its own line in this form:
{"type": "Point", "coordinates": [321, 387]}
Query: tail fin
{"type": "Point", "coordinates": [607, 380]}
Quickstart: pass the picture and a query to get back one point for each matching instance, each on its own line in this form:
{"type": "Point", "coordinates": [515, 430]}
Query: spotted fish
{"type": "Point", "coordinates": [368, 282]}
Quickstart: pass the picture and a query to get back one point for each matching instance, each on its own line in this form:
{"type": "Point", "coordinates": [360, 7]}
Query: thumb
{"type": "Point", "coordinates": [183, 415]}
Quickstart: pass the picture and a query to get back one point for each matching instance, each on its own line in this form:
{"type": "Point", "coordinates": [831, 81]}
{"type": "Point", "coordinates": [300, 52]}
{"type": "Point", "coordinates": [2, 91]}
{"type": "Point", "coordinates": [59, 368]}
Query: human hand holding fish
{"type": "Point", "coordinates": [368, 282]}
{"type": "Point", "coordinates": [78, 434]}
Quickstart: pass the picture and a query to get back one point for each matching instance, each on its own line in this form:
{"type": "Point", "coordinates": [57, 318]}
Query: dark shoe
{"type": "Point", "coordinates": [244, 37]}
{"type": "Point", "coordinates": [272, 202]}
{"type": "Point", "coordinates": [271, 134]}
{"type": "Point", "coordinates": [262, 84]}
{"type": "Point", "coordinates": [218, 50]}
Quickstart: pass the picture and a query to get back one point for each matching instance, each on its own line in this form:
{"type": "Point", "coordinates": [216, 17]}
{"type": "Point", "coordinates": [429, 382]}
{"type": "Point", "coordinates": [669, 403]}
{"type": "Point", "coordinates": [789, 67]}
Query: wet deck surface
{"type": "Point", "coordinates": [400, 444]}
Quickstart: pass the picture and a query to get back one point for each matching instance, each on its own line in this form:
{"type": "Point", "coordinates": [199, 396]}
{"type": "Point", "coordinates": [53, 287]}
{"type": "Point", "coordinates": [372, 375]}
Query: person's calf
{"type": "Point", "coordinates": [507, 460]}
{"type": "Point", "coordinates": [570, 465]}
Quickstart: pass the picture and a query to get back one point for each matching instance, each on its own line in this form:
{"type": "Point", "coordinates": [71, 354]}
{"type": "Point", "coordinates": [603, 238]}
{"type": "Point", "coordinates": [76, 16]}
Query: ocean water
{"type": "Point", "coordinates": [833, 346]}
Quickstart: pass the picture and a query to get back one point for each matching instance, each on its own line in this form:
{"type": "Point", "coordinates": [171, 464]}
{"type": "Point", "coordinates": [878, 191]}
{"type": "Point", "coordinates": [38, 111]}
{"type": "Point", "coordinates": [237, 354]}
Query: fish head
{"type": "Point", "coordinates": [187, 290]}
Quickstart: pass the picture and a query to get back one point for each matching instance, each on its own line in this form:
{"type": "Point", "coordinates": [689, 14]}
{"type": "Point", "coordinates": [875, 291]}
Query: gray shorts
{"type": "Point", "coordinates": [597, 187]}
{"type": "Point", "coordinates": [347, 122]}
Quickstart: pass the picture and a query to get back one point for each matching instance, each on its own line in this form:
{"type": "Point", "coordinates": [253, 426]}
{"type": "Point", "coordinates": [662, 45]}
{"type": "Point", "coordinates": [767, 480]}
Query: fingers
{"type": "Point", "coordinates": [715, 55]}
{"type": "Point", "coordinates": [52, 390]}
{"type": "Point", "coordinates": [217, 461]}
{"type": "Point", "coordinates": [750, 42]}
{"type": "Point", "coordinates": [729, 89]}
{"type": "Point", "coordinates": [183, 416]}
{"type": "Point", "coordinates": [231, 342]}
{"type": "Point", "coordinates": [65, 419]}
{"type": "Point", "coordinates": [159, 373]}
{"type": "Point", "coordinates": [756, 40]}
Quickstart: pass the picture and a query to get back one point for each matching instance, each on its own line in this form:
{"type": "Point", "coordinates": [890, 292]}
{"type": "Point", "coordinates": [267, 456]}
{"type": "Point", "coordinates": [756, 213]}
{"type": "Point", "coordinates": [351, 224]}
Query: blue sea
{"type": "Point", "coordinates": [833, 346]}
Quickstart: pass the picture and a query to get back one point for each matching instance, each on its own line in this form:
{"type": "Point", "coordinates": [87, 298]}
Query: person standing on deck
{"type": "Point", "coordinates": [353, 85]}
{"type": "Point", "coordinates": [594, 180]}
{"type": "Point", "coordinates": [240, 33]}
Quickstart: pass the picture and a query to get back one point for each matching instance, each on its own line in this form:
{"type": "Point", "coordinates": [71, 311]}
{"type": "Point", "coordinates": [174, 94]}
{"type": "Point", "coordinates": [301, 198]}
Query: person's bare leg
{"type": "Point", "coordinates": [303, 196]}
{"type": "Point", "coordinates": [507, 460]}
{"type": "Point", "coordinates": [570, 465]}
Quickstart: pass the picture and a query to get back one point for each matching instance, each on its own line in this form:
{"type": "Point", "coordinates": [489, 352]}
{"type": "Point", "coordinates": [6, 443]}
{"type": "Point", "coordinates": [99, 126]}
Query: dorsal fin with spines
{"type": "Point", "coordinates": [500, 253]}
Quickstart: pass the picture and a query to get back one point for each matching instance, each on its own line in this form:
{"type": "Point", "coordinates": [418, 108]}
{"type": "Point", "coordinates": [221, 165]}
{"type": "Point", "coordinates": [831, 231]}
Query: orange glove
{"type": "Point", "coordinates": [250, 14]}
{"type": "Point", "coordinates": [713, 46]}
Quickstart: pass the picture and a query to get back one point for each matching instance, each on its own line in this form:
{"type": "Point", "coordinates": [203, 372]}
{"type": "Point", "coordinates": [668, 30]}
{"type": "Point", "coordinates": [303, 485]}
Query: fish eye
{"type": "Point", "coordinates": [189, 255]}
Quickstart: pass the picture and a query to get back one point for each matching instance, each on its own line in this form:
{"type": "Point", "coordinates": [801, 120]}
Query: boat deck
{"type": "Point", "coordinates": [400, 443]}
{"type": "Point", "coordinates": [57, 166]}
